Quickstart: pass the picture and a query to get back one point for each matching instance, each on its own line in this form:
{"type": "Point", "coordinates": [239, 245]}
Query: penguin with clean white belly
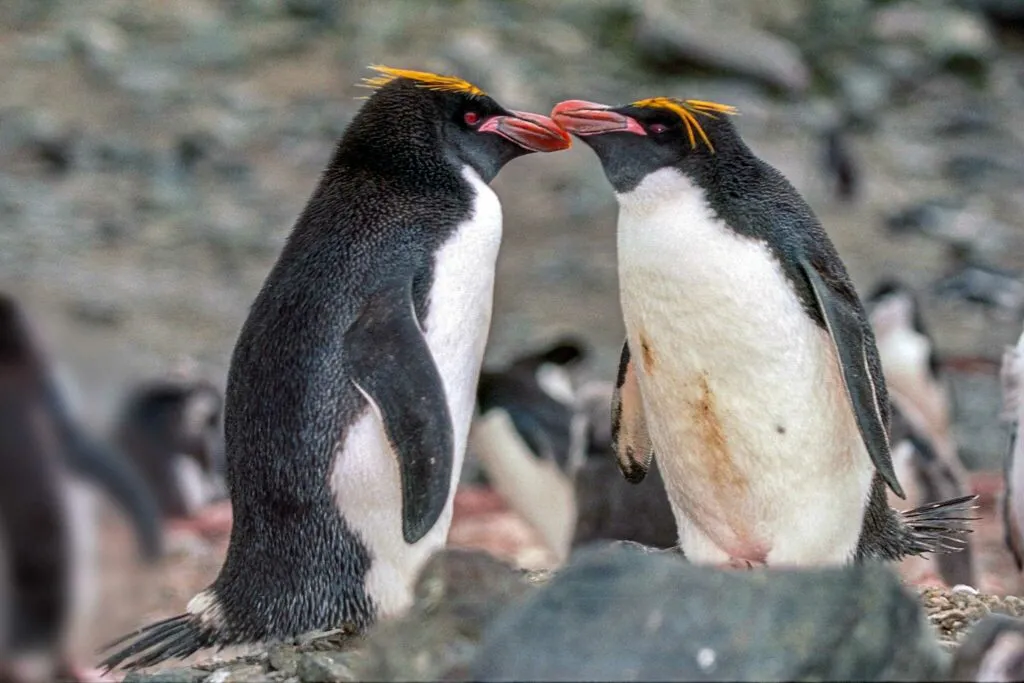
{"type": "Point", "coordinates": [749, 365]}
{"type": "Point", "coordinates": [352, 384]}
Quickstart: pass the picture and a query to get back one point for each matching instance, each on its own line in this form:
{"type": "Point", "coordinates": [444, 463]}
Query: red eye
{"type": "Point", "coordinates": [657, 128]}
{"type": "Point", "coordinates": [471, 118]}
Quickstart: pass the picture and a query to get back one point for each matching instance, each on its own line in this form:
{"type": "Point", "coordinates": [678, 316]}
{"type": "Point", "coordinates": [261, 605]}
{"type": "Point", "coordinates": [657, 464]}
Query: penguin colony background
{"type": "Point", "coordinates": [761, 414]}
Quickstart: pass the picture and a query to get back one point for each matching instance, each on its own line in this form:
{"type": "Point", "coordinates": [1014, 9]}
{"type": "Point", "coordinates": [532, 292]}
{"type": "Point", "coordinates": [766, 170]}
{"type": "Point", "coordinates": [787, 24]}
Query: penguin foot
{"type": "Point", "coordinates": [740, 563]}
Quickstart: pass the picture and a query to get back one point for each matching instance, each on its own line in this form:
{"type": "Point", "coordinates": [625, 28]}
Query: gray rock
{"type": "Point", "coordinates": [101, 44]}
{"type": "Point", "coordinates": [953, 37]}
{"type": "Point", "coordinates": [325, 667]}
{"type": "Point", "coordinates": [616, 613]}
{"type": "Point", "coordinates": [184, 675]}
{"type": "Point", "coordinates": [674, 44]}
{"type": "Point", "coordinates": [283, 659]}
{"type": "Point", "coordinates": [457, 594]}
{"type": "Point", "coordinates": [237, 673]}
{"type": "Point", "coordinates": [993, 650]}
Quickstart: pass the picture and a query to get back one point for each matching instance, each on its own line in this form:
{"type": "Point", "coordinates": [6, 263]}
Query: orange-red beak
{"type": "Point", "coordinates": [590, 118]}
{"type": "Point", "coordinates": [534, 132]}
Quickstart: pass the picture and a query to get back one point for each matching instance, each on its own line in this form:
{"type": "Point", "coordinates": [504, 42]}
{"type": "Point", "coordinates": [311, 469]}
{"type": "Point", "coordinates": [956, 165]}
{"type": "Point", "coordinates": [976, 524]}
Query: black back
{"type": "Point", "coordinates": [391, 195]}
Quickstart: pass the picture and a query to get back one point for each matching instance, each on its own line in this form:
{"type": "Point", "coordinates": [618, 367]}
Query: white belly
{"type": "Point", "coordinates": [366, 475]}
{"type": "Point", "coordinates": [744, 399]}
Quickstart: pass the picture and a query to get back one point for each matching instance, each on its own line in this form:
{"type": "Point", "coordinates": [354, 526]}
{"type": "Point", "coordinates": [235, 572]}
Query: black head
{"type": "Point", "coordinates": [637, 139]}
{"type": "Point", "coordinates": [418, 118]}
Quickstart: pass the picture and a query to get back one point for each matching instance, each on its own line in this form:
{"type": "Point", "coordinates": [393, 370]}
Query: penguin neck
{"type": "Point", "coordinates": [667, 188]}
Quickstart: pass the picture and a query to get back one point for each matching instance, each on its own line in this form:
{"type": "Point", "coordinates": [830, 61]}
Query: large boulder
{"type": "Point", "coordinates": [618, 613]}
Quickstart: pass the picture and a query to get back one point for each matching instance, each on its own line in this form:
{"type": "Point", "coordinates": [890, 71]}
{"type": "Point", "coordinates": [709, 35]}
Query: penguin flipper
{"type": "Point", "coordinates": [852, 346]}
{"type": "Point", "coordinates": [630, 439]}
{"type": "Point", "coordinates": [391, 365]}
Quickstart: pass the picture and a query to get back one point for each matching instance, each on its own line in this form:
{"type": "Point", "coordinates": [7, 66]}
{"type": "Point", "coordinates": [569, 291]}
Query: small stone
{"type": "Point", "coordinates": [237, 673]}
{"type": "Point", "coordinates": [284, 659]}
{"type": "Point", "coordinates": [100, 43]}
{"type": "Point", "coordinates": [186, 675]}
{"type": "Point", "coordinates": [324, 667]}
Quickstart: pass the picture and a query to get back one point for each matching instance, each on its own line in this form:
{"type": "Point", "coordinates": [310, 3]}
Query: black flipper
{"type": "Point", "coordinates": [630, 439]}
{"type": "Point", "coordinates": [112, 471]}
{"type": "Point", "coordinates": [390, 363]}
{"type": "Point", "coordinates": [850, 341]}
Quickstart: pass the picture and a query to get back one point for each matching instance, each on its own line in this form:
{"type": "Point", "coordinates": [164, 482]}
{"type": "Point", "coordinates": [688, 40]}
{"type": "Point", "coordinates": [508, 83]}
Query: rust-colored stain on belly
{"type": "Point", "coordinates": [725, 476]}
{"type": "Point", "coordinates": [646, 353]}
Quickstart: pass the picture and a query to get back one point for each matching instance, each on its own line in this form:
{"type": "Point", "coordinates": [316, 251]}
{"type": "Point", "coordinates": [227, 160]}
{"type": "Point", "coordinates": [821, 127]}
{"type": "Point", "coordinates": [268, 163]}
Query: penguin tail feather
{"type": "Point", "coordinates": [939, 527]}
{"type": "Point", "coordinates": [173, 638]}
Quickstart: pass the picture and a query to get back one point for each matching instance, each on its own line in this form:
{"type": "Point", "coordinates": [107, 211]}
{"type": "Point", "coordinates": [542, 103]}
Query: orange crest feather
{"type": "Point", "coordinates": [687, 110]}
{"type": "Point", "coordinates": [424, 79]}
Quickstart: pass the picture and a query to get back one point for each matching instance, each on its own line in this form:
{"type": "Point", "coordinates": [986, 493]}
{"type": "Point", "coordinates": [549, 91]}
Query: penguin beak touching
{"type": "Point", "coordinates": [590, 118]}
{"type": "Point", "coordinates": [534, 132]}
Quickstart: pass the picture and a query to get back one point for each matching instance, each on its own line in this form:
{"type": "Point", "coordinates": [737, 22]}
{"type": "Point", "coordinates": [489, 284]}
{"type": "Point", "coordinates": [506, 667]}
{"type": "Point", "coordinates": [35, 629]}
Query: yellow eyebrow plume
{"type": "Point", "coordinates": [424, 79]}
{"type": "Point", "coordinates": [687, 111]}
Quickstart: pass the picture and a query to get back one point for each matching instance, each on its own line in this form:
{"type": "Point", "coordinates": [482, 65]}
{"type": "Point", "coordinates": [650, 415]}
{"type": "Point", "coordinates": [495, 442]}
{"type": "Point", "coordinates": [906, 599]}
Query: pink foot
{"type": "Point", "coordinates": [739, 563]}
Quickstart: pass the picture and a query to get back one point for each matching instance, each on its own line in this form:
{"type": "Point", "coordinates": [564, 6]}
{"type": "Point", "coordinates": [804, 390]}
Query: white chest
{"type": "Point", "coordinates": [459, 313]}
{"type": "Point", "coordinates": [366, 477]}
{"type": "Point", "coordinates": [741, 390]}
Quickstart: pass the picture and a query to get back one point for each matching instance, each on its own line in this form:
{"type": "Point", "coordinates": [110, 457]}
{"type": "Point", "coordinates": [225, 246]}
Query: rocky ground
{"type": "Point", "coordinates": [153, 156]}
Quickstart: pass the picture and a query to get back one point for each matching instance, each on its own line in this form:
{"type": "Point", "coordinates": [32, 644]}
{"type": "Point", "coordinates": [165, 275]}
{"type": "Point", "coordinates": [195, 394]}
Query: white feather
{"type": "Point", "coordinates": [366, 477]}
{"type": "Point", "coordinates": [716, 305]}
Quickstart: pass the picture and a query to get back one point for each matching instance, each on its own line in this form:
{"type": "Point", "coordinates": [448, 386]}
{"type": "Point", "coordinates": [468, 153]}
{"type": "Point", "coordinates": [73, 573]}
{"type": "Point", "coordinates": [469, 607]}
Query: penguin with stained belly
{"type": "Point", "coordinates": [749, 365]}
{"type": "Point", "coordinates": [352, 383]}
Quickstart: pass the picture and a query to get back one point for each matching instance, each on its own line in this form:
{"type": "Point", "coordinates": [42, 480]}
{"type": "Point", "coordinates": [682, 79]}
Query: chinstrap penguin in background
{"type": "Point", "coordinates": [749, 365]}
{"type": "Point", "coordinates": [924, 448]}
{"type": "Point", "coordinates": [1012, 508]}
{"type": "Point", "coordinates": [545, 445]}
{"type": "Point", "coordinates": [353, 381]}
{"type": "Point", "coordinates": [48, 465]}
{"type": "Point", "coordinates": [530, 437]}
{"type": "Point", "coordinates": [170, 427]}
{"type": "Point", "coordinates": [927, 477]}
